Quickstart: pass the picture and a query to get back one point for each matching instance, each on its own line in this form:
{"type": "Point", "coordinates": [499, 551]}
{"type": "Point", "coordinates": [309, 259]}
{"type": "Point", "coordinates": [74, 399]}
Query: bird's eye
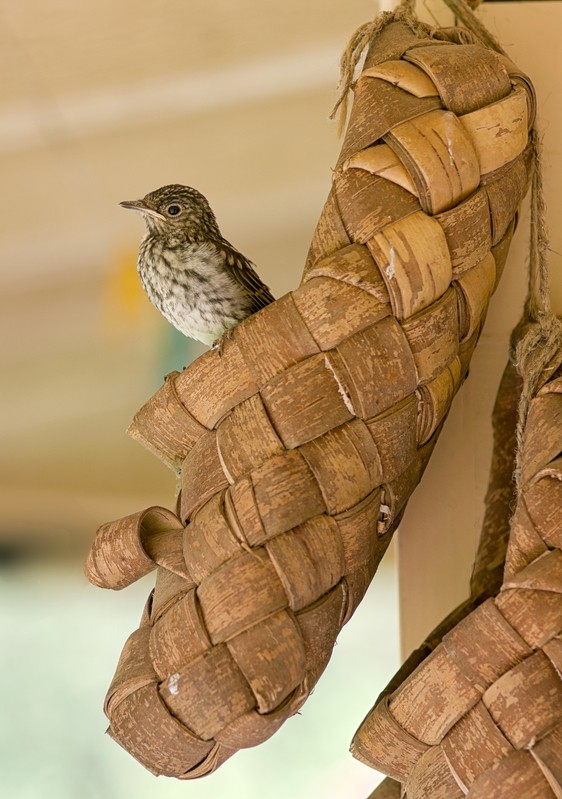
{"type": "Point", "coordinates": [173, 210]}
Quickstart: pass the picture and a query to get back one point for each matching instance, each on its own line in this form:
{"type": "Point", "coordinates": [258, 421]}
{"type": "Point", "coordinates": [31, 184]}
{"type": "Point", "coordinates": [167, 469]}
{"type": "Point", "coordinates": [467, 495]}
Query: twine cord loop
{"type": "Point", "coordinates": [535, 355]}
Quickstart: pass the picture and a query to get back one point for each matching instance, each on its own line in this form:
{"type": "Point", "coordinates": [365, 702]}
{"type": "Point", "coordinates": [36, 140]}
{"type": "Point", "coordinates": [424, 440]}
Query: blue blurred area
{"type": "Point", "coordinates": [177, 352]}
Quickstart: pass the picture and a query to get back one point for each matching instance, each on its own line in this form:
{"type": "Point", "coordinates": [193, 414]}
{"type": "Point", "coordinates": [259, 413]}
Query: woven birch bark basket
{"type": "Point", "coordinates": [299, 446]}
{"type": "Point", "coordinates": [481, 716]}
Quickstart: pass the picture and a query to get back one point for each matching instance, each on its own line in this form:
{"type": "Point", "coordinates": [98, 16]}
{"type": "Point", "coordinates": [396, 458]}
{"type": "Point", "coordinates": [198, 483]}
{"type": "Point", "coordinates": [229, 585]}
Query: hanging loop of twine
{"type": "Point", "coordinates": [536, 354]}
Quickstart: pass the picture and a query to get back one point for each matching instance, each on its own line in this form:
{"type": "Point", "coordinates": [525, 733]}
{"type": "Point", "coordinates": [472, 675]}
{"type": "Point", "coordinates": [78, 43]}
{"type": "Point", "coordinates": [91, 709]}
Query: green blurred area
{"type": "Point", "coordinates": [61, 642]}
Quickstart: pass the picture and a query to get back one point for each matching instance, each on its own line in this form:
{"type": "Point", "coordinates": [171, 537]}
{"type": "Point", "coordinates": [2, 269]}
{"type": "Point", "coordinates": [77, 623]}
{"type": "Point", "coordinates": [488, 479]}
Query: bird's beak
{"type": "Point", "coordinates": [142, 207]}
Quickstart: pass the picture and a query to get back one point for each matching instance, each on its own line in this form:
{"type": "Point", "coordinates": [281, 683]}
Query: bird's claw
{"type": "Point", "coordinates": [218, 345]}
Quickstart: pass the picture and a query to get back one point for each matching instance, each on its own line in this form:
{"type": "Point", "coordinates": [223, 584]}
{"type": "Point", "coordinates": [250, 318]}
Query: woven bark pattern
{"type": "Point", "coordinates": [482, 715]}
{"type": "Point", "coordinates": [299, 446]}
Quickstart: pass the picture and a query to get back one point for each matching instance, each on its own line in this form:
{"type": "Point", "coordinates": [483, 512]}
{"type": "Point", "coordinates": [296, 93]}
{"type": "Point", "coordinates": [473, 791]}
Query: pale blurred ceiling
{"type": "Point", "coordinates": [103, 101]}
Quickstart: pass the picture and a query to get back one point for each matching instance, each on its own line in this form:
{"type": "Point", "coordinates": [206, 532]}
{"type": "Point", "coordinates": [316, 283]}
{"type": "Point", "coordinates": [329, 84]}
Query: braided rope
{"type": "Point", "coordinates": [535, 355]}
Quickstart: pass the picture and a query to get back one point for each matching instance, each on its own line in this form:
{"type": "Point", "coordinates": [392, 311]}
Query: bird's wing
{"type": "Point", "coordinates": [242, 271]}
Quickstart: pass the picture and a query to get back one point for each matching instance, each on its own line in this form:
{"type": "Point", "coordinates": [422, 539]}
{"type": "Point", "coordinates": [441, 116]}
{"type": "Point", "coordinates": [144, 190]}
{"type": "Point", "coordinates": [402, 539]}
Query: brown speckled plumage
{"type": "Point", "coordinates": [198, 281]}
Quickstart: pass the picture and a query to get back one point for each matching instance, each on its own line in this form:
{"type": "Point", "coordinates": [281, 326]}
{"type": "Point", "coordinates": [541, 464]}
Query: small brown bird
{"type": "Point", "coordinates": [194, 276]}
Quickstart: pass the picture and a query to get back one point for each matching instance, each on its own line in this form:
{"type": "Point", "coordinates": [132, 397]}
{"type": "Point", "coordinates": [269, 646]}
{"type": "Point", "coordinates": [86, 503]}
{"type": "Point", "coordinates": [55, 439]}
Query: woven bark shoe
{"type": "Point", "coordinates": [299, 446]}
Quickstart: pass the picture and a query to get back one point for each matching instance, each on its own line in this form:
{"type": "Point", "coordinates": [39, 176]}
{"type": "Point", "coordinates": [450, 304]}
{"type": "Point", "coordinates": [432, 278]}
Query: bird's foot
{"type": "Point", "coordinates": [218, 345]}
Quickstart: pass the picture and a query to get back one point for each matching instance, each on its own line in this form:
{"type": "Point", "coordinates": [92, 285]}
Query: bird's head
{"type": "Point", "coordinates": [176, 212]}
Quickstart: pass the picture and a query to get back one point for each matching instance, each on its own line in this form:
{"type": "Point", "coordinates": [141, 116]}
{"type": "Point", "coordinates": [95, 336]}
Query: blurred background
{"type": "Point", "coordinates": [101, 102]}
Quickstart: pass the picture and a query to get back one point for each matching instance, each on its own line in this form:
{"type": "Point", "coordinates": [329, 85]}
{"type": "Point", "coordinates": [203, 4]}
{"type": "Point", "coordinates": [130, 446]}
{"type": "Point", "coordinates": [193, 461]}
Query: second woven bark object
{"type": "Point", "coordinates": [299, 446]}
{"type": "Point", "coordinates": [481, 716]}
